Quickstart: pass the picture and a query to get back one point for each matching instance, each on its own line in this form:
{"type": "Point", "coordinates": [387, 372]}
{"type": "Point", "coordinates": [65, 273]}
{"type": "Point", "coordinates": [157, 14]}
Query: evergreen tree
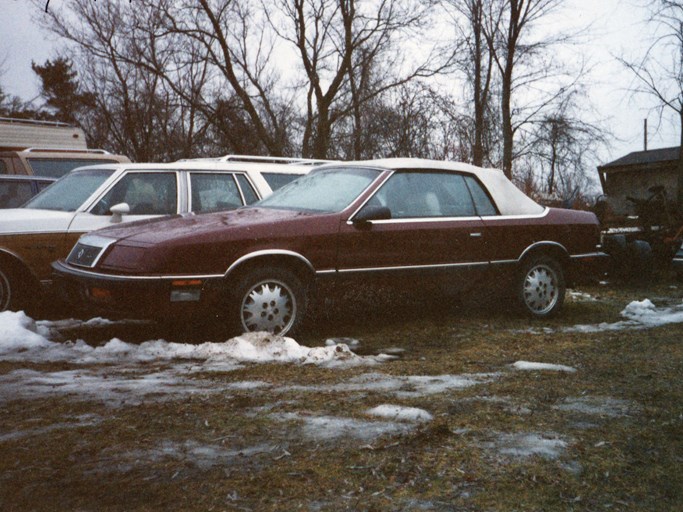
{"type": "Point", "coordinates": [61, 90]}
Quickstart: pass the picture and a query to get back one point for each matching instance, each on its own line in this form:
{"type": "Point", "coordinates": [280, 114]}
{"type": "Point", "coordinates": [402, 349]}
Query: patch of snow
{"type": "Point", "coordinates": [528, 365]}
{"type": "Point", "coordinates": [400, 413]}
{"type": "Point", "coordinates": [201, 455]}
{"type": "Point", "coordinates": [105, 384]}
{"type": "Point", "coordinates": [598, 406]}
{"type": "Point", "coordinates": [642, 314]}
{"type": "Point", "coordinates": [407, 386]}
{"type": "Point", "coordinates": [393, 351]}
{"type": "Point", "coordinates": [84, 420]}
{"type": "Point", "coordinates": [580, 296]}
{"type": "Point", "coordinates": [330, 428]}
{"type": "Point", "coordinates": [351, 342]}
{"type": "Point", "coordinates": [523, 445]}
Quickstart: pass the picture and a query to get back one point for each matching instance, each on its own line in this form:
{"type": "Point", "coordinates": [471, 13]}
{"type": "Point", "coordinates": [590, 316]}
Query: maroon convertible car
{"type": "Point", "coordinates": [420, 221]}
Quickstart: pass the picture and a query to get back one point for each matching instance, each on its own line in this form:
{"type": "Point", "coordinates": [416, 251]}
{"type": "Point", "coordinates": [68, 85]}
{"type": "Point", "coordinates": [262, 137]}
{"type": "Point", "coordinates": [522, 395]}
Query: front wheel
{"type": "Point", "coordinates": [269, 299]}
{"type": "Point", "coordinates": [541, 286]}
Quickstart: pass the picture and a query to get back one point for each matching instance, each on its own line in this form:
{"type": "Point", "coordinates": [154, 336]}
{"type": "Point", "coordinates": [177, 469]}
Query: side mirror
{"type": "Point", "coordinates": [372, 212]}
{"type": "Point", "coordinates": [118, 211]}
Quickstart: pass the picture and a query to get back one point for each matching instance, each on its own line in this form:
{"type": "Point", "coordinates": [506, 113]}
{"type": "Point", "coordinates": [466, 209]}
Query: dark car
{"type": "Point", "coordinates": [16, 190]}
{"type": "Point", "coordinates": [418, 222]}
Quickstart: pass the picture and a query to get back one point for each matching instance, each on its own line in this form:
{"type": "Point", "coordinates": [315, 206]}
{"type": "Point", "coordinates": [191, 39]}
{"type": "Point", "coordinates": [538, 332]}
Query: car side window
{"type": "Point", "coordinates": [42, 185]}
{"type": "Point", "coordinates": [14, 194]}
{"type": "Point", "coordinates": [214, 192]}
{"type": "Point", "coordinates": [248, 191]}
{"type": "Point", "coordinates": [3, 167]}
{"type": "Point", "coordinates": [482, 201]}
{"type": "Point", "coordinates": [426, 194]}
{"type": "Point", "coordinates": [277, 180]}
{"type": "Point", "coordinates": [146, 193]}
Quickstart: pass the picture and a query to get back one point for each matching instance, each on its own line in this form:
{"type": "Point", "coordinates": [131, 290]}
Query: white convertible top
{"type": "Point", "coordinates": [509, 199]}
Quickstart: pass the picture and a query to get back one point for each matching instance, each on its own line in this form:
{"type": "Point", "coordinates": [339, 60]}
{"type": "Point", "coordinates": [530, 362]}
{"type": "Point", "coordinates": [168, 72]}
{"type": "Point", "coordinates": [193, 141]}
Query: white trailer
{"type": "Point", "coordinates": [18, 134]}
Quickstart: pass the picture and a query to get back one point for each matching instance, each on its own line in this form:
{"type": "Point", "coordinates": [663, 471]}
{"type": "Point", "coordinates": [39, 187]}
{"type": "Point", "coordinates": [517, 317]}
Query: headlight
{"type": "Point", "coordinates": [124, 257]}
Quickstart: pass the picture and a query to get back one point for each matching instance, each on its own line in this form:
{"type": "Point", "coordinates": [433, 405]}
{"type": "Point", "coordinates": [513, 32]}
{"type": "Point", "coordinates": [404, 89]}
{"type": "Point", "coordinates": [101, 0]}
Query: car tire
{"type": "Point", "coordinates": [10, 286]}
{"type": "Point", "coordinates": [540, 286]}
{"type": "Point", "coordinates": [269, 299]}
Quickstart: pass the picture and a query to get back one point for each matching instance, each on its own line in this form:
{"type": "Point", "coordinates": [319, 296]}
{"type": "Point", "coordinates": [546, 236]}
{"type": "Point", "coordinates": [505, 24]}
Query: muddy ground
{"type": "Point", "coordinates": [478, 423]}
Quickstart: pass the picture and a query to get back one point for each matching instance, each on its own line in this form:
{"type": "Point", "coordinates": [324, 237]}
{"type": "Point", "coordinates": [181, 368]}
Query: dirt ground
{"type": "Point", "coordinates": [599, 429]}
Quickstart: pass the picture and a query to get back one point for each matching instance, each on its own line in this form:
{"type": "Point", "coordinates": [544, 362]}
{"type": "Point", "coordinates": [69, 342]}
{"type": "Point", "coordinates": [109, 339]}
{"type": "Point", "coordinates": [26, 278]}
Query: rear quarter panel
{"type": "Point", "coordinates": [509, 236]}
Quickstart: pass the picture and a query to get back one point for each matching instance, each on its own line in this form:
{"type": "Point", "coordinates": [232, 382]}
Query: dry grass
{"type": "Point", "coordinates": [620, 417]}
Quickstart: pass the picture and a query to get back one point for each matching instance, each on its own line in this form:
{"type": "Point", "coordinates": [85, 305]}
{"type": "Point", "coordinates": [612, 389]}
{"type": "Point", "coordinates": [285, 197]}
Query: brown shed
{"type": "Point", "coordinates": [632, 175]}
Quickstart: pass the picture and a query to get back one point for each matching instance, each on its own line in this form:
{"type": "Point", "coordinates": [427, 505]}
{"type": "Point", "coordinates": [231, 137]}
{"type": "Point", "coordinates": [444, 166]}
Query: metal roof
{"type": "Point", "coordinates": [646, 157]}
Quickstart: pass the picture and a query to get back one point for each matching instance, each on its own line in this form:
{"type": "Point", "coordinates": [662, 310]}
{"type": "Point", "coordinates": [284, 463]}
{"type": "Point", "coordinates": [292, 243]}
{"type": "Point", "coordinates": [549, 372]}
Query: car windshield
{"type": "Point", "coordinates": [327, 190]}
{"type": "Point", "coordinates": [68, 193]}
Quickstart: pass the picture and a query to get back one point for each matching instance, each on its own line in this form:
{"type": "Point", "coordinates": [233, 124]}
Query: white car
{"type": "Point", "coordinates": [88, 198]}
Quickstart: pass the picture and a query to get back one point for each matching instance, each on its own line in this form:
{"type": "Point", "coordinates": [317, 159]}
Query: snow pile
{"type": "Point", "coordinates": [646, 313]}
{"type": "Point", "coordinates": [399, 413]}
{"type": "Point", "coordinates": [528, 365]}
{"type": "Point", "coordinates": [638, 315]}
{"type": "Point", "coordinates": [22, 339]}
{"type": "Point", "coordinates": [19, 333]}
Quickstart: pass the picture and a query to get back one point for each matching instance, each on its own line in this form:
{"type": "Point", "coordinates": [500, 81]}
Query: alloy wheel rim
{"type": "Point", "coordinates": [541, 289]}
{"type": "Point", "coordinates": [268, 306]}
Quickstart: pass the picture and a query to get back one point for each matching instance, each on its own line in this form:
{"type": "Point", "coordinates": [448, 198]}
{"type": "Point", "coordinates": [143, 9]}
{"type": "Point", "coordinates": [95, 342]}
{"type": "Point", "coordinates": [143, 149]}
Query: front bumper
{"type": "Point", "coordinates": [138, 296]}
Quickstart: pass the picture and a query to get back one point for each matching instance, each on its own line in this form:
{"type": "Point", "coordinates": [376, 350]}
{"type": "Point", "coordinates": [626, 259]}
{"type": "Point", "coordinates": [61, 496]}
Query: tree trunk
{"type": "Point", "coordinates": [506, 112]}
{"type": "Point", "coordinates": [679, 195]}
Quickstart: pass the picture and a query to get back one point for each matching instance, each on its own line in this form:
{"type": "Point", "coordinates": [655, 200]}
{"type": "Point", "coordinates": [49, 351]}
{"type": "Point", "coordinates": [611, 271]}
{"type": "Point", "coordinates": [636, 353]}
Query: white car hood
{"type": "Point", "coordinates": [28, 220]}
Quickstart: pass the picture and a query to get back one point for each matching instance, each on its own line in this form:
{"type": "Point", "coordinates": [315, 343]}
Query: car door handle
{"type": "Point", "coordinates": [475, 235]}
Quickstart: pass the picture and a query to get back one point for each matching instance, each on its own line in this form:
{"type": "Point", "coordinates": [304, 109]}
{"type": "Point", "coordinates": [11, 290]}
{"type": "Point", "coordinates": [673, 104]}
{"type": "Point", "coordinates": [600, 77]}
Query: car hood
{"type": "Point", "coordinates": [213, 226]}
{"type": "Point", "coordinates": [28, 220]}
{"type": "Point", "coordinates": [207, 243]}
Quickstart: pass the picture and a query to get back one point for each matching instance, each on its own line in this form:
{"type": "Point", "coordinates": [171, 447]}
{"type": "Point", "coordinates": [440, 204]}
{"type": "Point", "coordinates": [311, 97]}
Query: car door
{"type": "Point", "coordinates": [434, 229]}
{"type": "Point", "coordinates": [148, 194]}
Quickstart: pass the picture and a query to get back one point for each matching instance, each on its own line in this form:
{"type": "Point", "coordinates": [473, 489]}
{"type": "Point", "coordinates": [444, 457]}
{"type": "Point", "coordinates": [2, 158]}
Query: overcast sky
{"type": "Point", "coordinates": [617, 28]}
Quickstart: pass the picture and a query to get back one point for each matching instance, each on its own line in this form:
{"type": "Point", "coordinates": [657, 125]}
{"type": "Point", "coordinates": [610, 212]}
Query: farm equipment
{"type": "Point", "coordinates": [640, 215]}
{"type": "Point", "coordinates": [646, 241]}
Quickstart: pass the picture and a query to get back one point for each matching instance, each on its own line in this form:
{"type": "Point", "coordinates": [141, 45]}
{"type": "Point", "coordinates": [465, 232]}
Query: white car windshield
{"type": "Point", "coordinates": [68, 193]}
{"type": "Point", "coordinates": [326, 190]}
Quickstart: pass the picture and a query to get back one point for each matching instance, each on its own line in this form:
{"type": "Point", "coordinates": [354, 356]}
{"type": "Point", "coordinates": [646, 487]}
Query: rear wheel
{"type": "Point", "coordinates": [269, 299]}
{"type": "Point", "coordinates": [541, 286]}
{"type": "Point", "coordinates": [12, 291]}
{"type": "Point", "coordinates": [5, 290]}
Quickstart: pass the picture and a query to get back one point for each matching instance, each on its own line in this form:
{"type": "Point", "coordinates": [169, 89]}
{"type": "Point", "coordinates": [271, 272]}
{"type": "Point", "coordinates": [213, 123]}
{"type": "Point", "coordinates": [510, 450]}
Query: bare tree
{"type": "Point", "coordinates": [349, 56]}
{"type": "Point", "coordinates": [508, 33]}
{"type": "Point", "coordinates": [136, 113]}
{"type": "Point", "coordinates": [476, 60]}
{"type": "Point", "coordinates": [564, 145]}
{"type": "Point", "coordinates": [403, 122]}
{"type": "Point", "coordinates": [659, 74]}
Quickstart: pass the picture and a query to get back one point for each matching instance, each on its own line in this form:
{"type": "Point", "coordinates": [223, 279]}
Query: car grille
{"type": "Point", "coordinates": [87, 251]}
{"type": "Point", "coordinates": [83, 255]}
